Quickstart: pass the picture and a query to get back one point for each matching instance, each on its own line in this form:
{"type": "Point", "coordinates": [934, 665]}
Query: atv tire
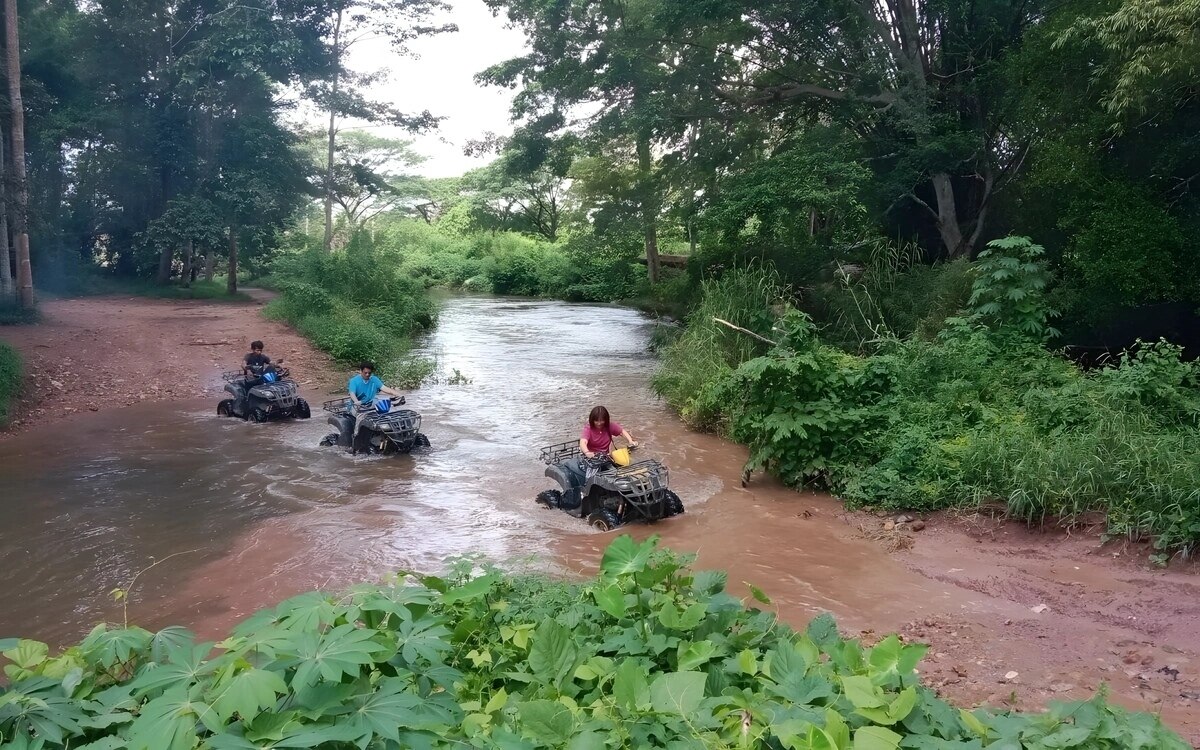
{"type": "Point", "coordinates": [421, 441]}
{"type": "Point", "coordinates": [225, 408]}
{"type": "Point", "coordinates": [604, 520]}
{"type": "Point", "coordinates": [330, 439]}
{"type": "Point", "coordinates": [549, 498]}
{"type": "Point", "coordinates": [258, 415]}
{"type": "Point", "coordinates": [672, 505]}
{"type": "Point", "coordinates": [303, 411]}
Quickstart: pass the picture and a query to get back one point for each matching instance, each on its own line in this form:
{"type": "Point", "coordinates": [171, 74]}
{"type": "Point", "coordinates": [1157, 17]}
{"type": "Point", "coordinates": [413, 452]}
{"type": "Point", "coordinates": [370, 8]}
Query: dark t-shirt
{"type": "Point", "coordinates": [257, 360]}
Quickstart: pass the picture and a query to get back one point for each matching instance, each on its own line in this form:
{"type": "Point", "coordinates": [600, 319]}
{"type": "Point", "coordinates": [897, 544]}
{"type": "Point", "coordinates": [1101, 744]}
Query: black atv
{"type": "Point", "coordinates": [605, 494]}
{"type": "Point", "coordinates": [397, 431]}
{"type": "Point", "coordinates": [258, 399]}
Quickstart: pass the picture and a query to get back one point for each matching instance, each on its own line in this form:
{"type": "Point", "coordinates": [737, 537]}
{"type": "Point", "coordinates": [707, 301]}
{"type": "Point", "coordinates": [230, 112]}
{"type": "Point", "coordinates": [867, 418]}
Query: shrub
{"type": "Point", "coordinates": [647, 654]}
{"type": "Point", "coordinates": [10, 379]}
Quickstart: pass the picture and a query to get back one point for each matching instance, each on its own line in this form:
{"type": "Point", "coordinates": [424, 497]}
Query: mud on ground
{"type": "Point", "coordinates": [99, 353]}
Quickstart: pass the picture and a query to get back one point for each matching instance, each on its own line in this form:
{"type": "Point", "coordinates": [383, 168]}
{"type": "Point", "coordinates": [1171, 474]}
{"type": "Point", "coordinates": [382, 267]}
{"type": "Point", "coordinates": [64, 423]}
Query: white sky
{"type": "Point", "coordinates": [441, 79]}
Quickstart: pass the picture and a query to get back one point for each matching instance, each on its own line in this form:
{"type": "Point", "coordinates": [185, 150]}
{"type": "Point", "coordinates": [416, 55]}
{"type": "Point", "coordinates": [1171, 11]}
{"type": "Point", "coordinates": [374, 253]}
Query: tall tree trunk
{"type": "Point", "coordinates": [337, 74]}
{"type": "Point", "coordinates": [649, 207]}
{"type": "Point", "coordinates": [210, 264]}
{"type": "Point", "coordinates": [6, 276]}
{"type": "Point", "coordinates": [231, 284]}
{"type": "Point", "coordinates": [20, 216]}
{"type": "Point", "coordinates": [188, 251]}
{"type": "Point", "coordinates": [166, 257]}
{"type": "Point", "coordinates": [947, 214]}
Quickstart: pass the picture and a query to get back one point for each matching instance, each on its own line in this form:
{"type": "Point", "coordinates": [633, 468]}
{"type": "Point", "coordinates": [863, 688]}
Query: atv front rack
{"type": "Point", "coordinates": [641, 482]}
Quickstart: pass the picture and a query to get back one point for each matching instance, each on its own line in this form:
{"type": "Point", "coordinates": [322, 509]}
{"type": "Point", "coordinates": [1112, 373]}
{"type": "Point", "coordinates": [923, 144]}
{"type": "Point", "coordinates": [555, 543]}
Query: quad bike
{"type": "Point", "coordinates": [604, 494]}
{"type": "Point", "coordinates": [396, 431]}
{"type": "Point", "coordinates": [261, 398]}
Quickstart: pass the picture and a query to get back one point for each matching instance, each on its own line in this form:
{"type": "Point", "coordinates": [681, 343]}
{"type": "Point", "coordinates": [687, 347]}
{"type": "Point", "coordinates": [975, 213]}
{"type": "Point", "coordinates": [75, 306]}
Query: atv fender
{"type": "Point", "coordinates": [344, 425]}
{"type": "Point", "coordinates": [560, 475]}
{"type": "Point", "coordinates": [237, 391]}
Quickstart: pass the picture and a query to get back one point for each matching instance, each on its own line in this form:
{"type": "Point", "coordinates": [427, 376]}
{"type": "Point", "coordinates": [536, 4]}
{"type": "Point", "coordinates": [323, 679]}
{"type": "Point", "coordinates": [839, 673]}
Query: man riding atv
{"type": "Point", "coordinates": [364, 388]}
{"type": "Point", "coordinates": [262, 390]}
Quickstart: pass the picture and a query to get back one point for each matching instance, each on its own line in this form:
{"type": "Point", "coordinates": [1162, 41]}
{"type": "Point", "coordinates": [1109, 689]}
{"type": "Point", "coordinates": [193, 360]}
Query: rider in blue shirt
{"type": "Point", "coordinates": [364, 388]}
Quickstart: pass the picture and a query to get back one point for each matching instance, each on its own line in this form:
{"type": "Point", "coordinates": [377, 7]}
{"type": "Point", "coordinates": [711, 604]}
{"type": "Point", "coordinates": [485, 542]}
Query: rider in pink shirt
{"type": "Point", "coordinates": [599, 431]}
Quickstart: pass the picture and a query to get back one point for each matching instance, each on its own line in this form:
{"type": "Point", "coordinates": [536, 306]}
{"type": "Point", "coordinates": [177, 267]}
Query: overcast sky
{"type": "Point", "coordinates": [440, 79]}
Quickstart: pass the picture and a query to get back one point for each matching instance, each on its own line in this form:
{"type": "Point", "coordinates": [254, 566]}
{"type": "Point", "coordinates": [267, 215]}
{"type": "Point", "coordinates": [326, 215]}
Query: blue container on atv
{"type": "Point", "coordinates": [268, 394]}
{"type": "Point", "coordinates": [605, 494]}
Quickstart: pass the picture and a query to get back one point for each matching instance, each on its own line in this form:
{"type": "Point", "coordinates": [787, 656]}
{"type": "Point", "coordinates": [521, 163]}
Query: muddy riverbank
{"type": "Point", "coordinates": [253, 513]}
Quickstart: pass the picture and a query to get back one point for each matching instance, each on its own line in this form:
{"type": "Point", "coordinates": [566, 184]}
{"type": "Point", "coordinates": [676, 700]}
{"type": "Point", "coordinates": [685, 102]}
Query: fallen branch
{"type": "Point", "coordinates": [739, 329]}
{"type": "Point", "coordinates": [209, 343]}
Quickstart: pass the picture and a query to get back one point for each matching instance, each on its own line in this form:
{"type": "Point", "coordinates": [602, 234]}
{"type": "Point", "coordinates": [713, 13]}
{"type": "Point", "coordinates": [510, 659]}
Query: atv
{"type": "Point", "coordinates": [267, 394]}
{"type": "Point", "coordinates": [605, 494]}
{"type": "Point", "coordinates": [396, 431]}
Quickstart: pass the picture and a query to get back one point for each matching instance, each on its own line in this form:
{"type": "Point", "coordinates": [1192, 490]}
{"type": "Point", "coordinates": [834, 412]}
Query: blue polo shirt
{"type": "Point", "coordinates": [365, 390]}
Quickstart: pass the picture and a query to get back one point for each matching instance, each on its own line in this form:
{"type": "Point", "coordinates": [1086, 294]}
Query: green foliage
{"type": "Point", "coordinates": [973, 415]}
{"type": "Point", "coordinates": [1010, 287]}
{"type": "Point", "coordinates": [356, 305]}
{"type": "Point", "coordinates": [699, 360]}
{"type": "Point", "coordinates": [647, 654]}
{"type": "Point", "coordinates": [10, 379]}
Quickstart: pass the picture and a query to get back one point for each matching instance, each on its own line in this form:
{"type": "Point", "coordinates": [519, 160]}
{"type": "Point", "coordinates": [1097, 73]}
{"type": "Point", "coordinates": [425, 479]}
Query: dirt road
{"type": "Point", "coordinates": [100, 353]}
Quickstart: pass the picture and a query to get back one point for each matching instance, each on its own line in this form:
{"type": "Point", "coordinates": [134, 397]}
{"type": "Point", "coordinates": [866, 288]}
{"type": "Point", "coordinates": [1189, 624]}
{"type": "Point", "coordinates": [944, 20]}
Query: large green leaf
{"type": "Point", "coordinates": [611, 599]}
{"type": "Point", "coordinates": [247, 694]}
{"type": "Point", "coordinates": [553, 652]}
{"type": "Point", "coordinates": [342, 651]}
{"type": "Point", "coordinates": [625, 556]}
{"type": "Point", "coordinates": [473, 589]}
{"type": "Point", "coordinates": [671, 616]}
{"type": "Point", "coordinates": [630, 686]}
{"type": "Point", "coordinates": [549, 722]}
{"type": "Point", "coordinates": [677, 692]}
{"type": "Point", "coordinates": [167, 723]}
{"type": "Point", "coordinates": [875, 738]}
{"type": "Point", "coordinates": [692, 655]}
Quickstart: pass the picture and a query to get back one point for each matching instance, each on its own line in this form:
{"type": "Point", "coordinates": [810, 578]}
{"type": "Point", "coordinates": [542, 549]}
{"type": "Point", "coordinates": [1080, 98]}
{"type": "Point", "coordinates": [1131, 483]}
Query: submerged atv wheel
{"type": "Point", "coordinates": [420, 441]}
{"type": "Point", "coordinates": [302, 409]}
{"type": "Point", "coordinates": [258, 415]}
{"type": "Point", "coordinates": [225, 408]}
{"type": "Point", "coordinates": [330, 439]}
{"type": "Point", "coordinates": [604, 520]}
{"type": "Point", "coordinates": [549, 498]}
{"type": "Point", "coordinates": [672, 505]}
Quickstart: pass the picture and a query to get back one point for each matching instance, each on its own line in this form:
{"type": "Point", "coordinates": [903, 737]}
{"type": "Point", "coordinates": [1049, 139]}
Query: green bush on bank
{"type": "Point", "coordinates": [10, 379]}
{"type": "Point", "coordinates": [974, 415]}
{"type": "Point", "coordinates": [355, 305]}
{"type": "Point", "coordinates": [648, 654]}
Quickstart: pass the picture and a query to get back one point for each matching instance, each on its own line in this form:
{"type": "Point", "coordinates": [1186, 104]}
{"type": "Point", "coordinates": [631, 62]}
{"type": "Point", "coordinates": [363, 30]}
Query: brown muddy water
{"type": "Point", "coordinates": [234, 516]}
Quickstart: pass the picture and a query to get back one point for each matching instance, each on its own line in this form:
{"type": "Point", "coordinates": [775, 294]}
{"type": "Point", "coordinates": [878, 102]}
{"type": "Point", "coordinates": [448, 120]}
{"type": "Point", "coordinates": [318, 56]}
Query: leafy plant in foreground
{"type": "Point", "coordinates": [648, 654]}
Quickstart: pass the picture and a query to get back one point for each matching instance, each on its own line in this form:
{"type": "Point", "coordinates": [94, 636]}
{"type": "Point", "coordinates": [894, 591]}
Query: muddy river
{"type": "Point", "coordinates": [216, 518]}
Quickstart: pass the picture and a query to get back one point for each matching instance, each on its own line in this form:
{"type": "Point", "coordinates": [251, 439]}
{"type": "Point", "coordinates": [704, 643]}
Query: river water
{"type": "Point", "coordinates": [210, 519]}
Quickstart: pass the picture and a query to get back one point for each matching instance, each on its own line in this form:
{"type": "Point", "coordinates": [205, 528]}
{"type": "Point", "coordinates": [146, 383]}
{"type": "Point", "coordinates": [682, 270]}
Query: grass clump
{"type": "Point", "coordinates": [648, 654]}
{"type": "Point", "coordinates": [10, 379]}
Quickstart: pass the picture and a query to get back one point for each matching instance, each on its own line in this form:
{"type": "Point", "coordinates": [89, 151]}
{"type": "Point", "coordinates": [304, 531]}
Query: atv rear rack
{"type": "Point", "coordinates": [346, 407]}
{"type": "Point", "coordinates": [559, 452]}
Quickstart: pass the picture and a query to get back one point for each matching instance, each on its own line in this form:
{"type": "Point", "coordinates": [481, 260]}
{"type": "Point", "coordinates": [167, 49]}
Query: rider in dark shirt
{"type": "Point", "coordinates": [255, 363]}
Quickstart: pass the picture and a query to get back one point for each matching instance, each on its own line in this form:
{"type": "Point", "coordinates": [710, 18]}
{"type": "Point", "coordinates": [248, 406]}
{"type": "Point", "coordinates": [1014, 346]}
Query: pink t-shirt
{"type": "Point", "coordinates": [598, 440]}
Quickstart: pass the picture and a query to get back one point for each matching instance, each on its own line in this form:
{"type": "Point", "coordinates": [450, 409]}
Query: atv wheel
{"type": "Point", "coordinates": [258, 415]}
{"type": "Point", "coordinates": [421, 441]}
{"type": "Point", "coordinates": [225, 408]}
{"type": "Point", "coordinates": [330, 439]}
{"type": "Point", "coordinates": [672, 505]}
{"type": "Point", "coordinates": [604, 520]}
{"type": "Point", "coordinates": [549, 498]}
{"type": "Point", "coordinates": [302, 409]}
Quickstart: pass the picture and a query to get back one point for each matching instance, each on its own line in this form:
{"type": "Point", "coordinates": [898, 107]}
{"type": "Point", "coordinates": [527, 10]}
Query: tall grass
{"type": "Point", "coordinates": [10, 379]}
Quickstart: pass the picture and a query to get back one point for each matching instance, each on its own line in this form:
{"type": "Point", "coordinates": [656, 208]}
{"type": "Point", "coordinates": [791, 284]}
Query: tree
{"type": "Point", "coordinates": [341, 93]}
{"type": "Point", "coordinates": [371, 174]}
{"type": "Point", "coordinates": [25, 296]}
{"type": "Point", "coordinates": [1155, 47]}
